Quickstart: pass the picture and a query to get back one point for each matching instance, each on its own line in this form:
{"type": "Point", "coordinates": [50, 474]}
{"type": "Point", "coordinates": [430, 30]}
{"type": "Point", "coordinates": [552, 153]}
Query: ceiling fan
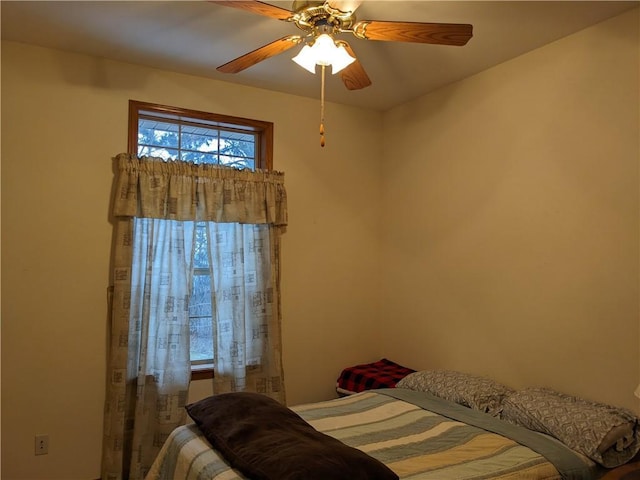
{"type": "Point", "coordinates": [332, 17]}
{"type": "Point", "coordinates": [321, 21]}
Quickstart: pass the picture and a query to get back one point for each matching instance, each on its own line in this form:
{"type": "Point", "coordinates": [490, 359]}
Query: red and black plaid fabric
{"type": "Point", "coordinates": [381, 374]}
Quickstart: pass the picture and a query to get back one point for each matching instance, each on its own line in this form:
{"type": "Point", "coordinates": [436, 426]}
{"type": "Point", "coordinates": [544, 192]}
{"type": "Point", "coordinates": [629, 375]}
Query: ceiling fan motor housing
{"type": "Point", "coordinates": [310, 15]}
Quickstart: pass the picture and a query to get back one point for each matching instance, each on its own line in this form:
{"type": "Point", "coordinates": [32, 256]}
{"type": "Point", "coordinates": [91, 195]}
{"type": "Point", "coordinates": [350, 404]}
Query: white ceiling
{"type": "Point", "coordinates": [196, 37]}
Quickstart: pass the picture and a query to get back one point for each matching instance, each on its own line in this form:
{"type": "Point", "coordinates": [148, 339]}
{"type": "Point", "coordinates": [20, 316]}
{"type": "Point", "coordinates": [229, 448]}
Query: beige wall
{"type": "Point", "coordinates": [511, 240]}
{"type": "Point", "coordinates": [511, 248]}
{"type": "Point", "coordinates": [63, 117]}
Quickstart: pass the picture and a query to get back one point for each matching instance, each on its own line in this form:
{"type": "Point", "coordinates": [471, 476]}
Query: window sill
{"type": "Point", "coordinates": [202, 372]}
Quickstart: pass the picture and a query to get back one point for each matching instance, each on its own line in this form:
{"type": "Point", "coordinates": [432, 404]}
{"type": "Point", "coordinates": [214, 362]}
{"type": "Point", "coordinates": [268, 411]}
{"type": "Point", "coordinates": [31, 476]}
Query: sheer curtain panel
{"type": "Point", "coordinates": [155, 209]}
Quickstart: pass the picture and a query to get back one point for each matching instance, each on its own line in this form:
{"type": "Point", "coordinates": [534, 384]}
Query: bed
{"type": "Point", "coordinates": [410, 432]}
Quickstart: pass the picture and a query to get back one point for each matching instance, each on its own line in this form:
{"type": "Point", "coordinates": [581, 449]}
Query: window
{"type": "Point", "coordinates": [179, 134]}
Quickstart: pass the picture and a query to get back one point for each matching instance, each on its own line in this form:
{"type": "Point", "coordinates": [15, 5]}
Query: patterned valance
{"type": "Point", "coordinates": [176, 190]}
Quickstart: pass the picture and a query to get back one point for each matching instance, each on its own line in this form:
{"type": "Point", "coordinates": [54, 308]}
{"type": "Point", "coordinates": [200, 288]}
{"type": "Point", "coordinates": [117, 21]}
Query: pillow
{"type": "Point", "coordinates": [265, 440]}
{"type": "Point", "coordinates": [366, 376]}
{"type": "Point", "coordinates": [473, 391]}
{"type": "Point", "coordinates": [606, 434]}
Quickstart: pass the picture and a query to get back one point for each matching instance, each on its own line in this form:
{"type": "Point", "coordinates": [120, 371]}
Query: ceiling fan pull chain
{"type": "Point", "coordinates": [322, 109]}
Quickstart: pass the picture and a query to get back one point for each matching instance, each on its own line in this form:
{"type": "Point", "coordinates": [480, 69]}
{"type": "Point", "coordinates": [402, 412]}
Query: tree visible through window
{"type": "Point", "coordinates": [203, 138]}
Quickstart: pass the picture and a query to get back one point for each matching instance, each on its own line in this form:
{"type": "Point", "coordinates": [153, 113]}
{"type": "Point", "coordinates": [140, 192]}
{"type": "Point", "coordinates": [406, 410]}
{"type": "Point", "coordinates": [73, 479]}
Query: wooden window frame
{"type": "Point", "coordinates": [264, 130]}
{"type": "Point", "coordinates": [263, 157]}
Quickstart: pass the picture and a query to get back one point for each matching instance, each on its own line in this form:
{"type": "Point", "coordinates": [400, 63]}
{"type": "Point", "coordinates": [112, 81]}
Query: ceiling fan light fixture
{"type": "Point", "coordinates": [306, 59]}
{"type": "Point", "coordinates": [324, 51]}
{"type": "Point", "coordinates": [341, 59]}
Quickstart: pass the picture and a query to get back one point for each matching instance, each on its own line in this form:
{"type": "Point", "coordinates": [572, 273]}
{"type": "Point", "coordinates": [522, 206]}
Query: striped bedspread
{"type": "Point", "coordinates": [406, 434]}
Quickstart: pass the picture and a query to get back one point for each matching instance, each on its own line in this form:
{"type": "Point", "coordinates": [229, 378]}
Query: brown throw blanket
{"type": "Point", "coordinates": [265, 440]}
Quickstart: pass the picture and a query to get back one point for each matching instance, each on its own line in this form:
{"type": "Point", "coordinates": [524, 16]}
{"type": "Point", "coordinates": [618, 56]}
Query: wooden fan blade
{"type": "Point", "coordinates": [271, 49]}
{"type": "Point", "coordinates": [344, 6]}
{"type": "Point", "coordinates": [354, 76]}
{"type": "Point", "coordinates": [260, 8]}
{"type": "Point", "coordinates": [437, 33]}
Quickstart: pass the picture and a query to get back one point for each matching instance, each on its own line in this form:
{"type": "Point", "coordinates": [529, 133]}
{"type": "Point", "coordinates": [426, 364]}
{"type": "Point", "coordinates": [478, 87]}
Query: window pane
{"type": "Point", "coordinates": [238, 148]}
{"type": "Point", "coordinates": [201, 339]}
{"type": "Point", "coordinates": [236, 162]}
{"type": "Point", "coordinates": [199, 157]}
{"type": "Point", "coordinates": [200, 314]}
{"type": "Point", "coordinates": [165, 153]}
{"type": "Point", "coordinates": [204, 142]}
{"type": "Point", "coordinates": [200, 302]}
{"type": "Point", "coordinates": [151, 132]}
{"type": "Point", "coordinates": [239, 137]}
{"type": "Point", "coordinates": [201, 251]}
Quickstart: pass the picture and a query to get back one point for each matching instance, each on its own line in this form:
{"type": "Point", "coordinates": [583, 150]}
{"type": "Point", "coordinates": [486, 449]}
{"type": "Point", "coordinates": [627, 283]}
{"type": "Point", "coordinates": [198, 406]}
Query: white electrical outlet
{"type": "Point", "coordinates": [42, 444]}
